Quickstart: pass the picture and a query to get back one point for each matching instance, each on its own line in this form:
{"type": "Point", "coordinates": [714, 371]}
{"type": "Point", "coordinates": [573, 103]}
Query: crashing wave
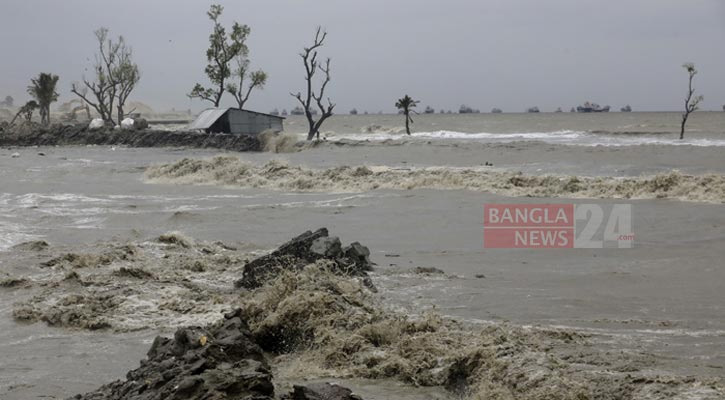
{"type": "Point", "coordinates": [231, 171]}
{"type": "Point", "coordinates": [565, 137]}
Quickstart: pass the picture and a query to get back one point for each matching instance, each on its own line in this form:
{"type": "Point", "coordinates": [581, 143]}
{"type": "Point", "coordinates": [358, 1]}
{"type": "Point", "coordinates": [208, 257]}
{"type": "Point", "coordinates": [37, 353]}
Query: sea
{"type": "Point", "coordinates": [661, 297]}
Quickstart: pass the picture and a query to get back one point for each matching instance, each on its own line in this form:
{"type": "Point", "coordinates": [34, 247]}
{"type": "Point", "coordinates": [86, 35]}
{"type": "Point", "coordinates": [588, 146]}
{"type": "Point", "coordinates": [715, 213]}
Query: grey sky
{"type": "Point", "coordinates": [510, 54]}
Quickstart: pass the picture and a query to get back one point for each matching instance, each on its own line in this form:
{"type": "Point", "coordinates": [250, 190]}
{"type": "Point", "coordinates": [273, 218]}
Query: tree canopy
{"type": "Point", "coordinates": [406, 105]}
{"type": "Point", "coordinates": [223, 49]}
{"type": "Point", "coordinates": [43, 91]}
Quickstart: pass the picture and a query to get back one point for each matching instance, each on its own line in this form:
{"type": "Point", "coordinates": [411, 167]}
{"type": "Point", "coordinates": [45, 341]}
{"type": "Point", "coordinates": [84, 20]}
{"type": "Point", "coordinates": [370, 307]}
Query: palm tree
{"type": "Point", "coordinates": [43, 91]}
{"type": "Point", "coordinates": [405, 105]}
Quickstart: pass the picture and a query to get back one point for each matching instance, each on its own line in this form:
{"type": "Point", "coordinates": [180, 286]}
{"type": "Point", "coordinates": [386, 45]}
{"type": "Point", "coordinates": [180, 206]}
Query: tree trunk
{"type": "Point", "coordinates": [682, 128]}
{"type": "Point", "coordinates": [407, 123]}
{"type": "Point", "coordinates": [311, 122]}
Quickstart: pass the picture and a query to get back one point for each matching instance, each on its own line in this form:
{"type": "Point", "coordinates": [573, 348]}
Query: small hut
{"type": "Point", "coordinates": [236, 121]}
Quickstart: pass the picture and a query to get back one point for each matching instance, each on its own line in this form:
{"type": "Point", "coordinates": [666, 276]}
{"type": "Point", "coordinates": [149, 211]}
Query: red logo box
{"type": "Point", "coordinates": [536, 226]}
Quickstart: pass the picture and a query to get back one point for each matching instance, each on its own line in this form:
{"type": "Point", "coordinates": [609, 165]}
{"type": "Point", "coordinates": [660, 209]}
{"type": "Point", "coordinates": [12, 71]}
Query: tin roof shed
{"type": "Point", "coordinates": [236, 121]}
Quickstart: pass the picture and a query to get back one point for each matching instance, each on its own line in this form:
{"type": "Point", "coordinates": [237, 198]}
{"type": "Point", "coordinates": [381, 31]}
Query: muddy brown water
{"type": "Point", "coordinates": [662, 297]}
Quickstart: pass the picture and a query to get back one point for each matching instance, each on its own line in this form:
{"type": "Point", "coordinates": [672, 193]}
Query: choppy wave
{"type": "Point", "coordinates": [567, 137]}
{"type": "Point", "coordinates": [334, 326]}
{"type": "Point", "coordinates": [231, 171]}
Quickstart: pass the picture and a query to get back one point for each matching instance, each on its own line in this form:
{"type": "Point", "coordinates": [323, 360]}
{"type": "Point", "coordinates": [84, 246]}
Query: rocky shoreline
{"type": "Point", "coordinates": [310, 302]}
{"type": "Point", "coordinates": [80, 135]}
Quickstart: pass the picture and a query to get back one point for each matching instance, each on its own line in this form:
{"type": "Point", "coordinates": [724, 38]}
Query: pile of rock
{"type": "Point", "coordinates": [307, 248]}
{"type": "Point", "coordinates": [225, 360]}
{"type": "Point", "coordinates": [217, 362]}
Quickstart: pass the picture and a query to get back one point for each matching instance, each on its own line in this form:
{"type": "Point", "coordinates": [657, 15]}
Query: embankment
{"type": "Point", "coordinates": [80, 135]}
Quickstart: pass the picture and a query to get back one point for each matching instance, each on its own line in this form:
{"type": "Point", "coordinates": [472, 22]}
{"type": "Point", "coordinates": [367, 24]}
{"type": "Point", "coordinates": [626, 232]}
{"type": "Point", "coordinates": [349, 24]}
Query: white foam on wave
{"type": "Point", "coordinates": [346, 201]}
{"type": "Point", "coordinates": [13, 233]}
{"type": "Point", "coordinates": [567, 137]}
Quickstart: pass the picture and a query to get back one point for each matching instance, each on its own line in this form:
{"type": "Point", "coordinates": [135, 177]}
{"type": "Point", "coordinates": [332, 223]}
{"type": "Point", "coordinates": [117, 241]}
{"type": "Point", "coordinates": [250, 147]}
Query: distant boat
{"type": "Point", "coordinates": [429, 110]}
{"type": "Point", "coordinates": [592, 107]}
{"type": "Point", "coordinates": [464, 109]}
{"type": "Point", "coordinates": [559, 110]}
{"type": "Point", "coordinates": [301, 111]}
{"type": "Point", "coordinates": [626, 108]}
{"type": "Point", "coordinates": [353, 111]}
{"type": "Point", "coordinates": [274, 112]}
{"type": "Point", "coordinates": [533, 109]}
{"type": "Point", "coordinates": [496, 111]}
{"type": "Point", "coordinates": [572, 109]}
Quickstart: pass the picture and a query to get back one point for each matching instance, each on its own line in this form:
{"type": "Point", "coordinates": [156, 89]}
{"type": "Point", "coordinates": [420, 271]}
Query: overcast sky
{"type": "Point", "coordinates": [510, 54]}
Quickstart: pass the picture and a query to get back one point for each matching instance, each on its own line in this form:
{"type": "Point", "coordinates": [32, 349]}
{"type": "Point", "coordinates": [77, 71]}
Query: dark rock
{"type": "Point", "coordinates": [358, 252]}
{"type": "Point", "coordinates": [133, 272]}
{"type": "Point", "coordinates": [37, 245]}
{"type": "Point", "coordinates": [428, 271]}
{"type": "Point", "coordinates": [305, 249]}
{"type": "Point", "coordinates": [321, 391]}
{"type": "Point", "coordinates": [140, 123]}
{"type": "Point", "coordinates": [326, 246]}
{"type": "Point", "coordinates": [216, 362]}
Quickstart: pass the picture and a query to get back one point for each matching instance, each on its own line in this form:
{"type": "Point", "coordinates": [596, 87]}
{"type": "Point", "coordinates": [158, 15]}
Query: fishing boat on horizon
{"type": "Point", "coordinates": [591, 107]}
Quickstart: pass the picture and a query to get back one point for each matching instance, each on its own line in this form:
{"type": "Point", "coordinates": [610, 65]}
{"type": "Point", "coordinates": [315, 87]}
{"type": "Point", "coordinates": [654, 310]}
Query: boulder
{"type": "Point", "coordinates": [134, 124]}
{"type": "Point", "coordinates": [326, 247]}
{"type": "Point", "coordinates": [140, 123]}
{"type": "Point", "coordinates": [96, 123]}
{"type": "Point", "coordinates": [358, 252]}
{"type": "Point", "coordinates": [127, 124]}
{"type": "Point", "coordinates": [307, 248]}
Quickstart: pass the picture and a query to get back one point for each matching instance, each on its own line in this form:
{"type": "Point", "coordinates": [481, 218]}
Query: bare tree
{"type": "Point", "coordinates": [312, 65]}
{"type": "Point", "coordinates": [115, 77]}
{"type": "Point", "coordinates": [257, 80]}
{"type": "Point", "coordinates": [222, 50]}
{"type": "Point", "coordinates": [691, 103]}
{"type": "Point", "coordinates": [128, 76]}
{"type": "Point", "coordinates": [84, 105]}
